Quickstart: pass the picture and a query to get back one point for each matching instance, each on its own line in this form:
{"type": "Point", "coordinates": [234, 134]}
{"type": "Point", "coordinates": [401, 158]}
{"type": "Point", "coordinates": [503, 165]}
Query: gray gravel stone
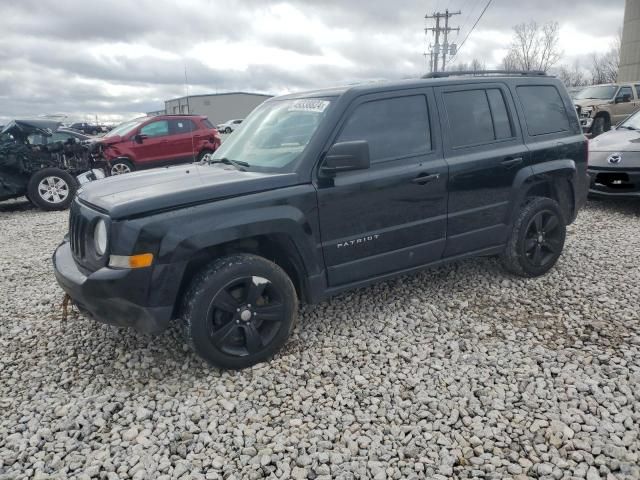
{"type": "Point", "coordinates": [457, 372]}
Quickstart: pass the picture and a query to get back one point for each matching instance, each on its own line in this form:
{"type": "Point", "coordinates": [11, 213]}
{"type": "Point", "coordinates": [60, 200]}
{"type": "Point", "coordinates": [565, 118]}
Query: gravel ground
{"type": "Point", "coordinates": [457, 372]}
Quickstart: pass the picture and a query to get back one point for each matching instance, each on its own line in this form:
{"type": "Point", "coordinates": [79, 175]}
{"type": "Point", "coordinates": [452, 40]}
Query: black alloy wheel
{"type": "Point", "coordinates": [543, 238]}
{"type": "Point", "coordinates": [245, 315]}
{"type": "Point", "coordinates": [537, 238]}
{"type": "Point", "coordinates": [239, 311]}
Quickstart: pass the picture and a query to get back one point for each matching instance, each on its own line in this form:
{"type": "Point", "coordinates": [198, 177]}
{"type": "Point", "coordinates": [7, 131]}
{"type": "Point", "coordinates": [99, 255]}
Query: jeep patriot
{"type": "Point", "coordinates": [325, 191]}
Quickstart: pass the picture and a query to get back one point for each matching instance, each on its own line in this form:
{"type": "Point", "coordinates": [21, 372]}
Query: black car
{"type": "Point", "coordinates": [614, 161]}
{"type": "Point", "coordinates": [44, 173]}
{"type": "Point", "coordinates": [325, 191]}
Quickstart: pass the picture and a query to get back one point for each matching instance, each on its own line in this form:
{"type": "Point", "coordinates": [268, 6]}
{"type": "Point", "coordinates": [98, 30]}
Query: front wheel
{"type": "Point", "coordinates": [228, 130]}
{"type": "Point", "coordinates": [51, 189]}
{"type": "Point", "coordinates": [600, 125]}
{"type": "Point", "coordinates": [121, 166]}
{"type": "Point", "coordinates": [537, 238]}
{"type": "Point", "coordinates": [239, 311]}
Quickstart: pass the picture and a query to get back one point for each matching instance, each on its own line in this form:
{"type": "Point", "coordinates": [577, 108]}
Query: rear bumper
{"type": "Point", "coordinates": [115, 297]}
{"type": "Point", "coordinates": [614, 183]}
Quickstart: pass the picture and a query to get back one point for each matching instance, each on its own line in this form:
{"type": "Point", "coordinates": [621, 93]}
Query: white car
{"type": "Point", "coordinates": [229, 126]}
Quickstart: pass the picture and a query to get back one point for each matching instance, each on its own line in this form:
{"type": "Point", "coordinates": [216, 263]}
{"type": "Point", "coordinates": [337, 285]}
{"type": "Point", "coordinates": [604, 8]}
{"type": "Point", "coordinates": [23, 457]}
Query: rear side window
{"type": "Point", "coordinates": [394, 127]}
{"type": "Point", "coordinates": [181, 126]}
{"type": "Point", "coordinates": [544, 109]}
{"type": "Point", "coordinates": [477, 117]}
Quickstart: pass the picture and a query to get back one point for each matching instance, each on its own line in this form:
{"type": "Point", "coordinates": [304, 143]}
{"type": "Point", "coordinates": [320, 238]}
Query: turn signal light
{"type": "Point", "coordinates": [134, 261]}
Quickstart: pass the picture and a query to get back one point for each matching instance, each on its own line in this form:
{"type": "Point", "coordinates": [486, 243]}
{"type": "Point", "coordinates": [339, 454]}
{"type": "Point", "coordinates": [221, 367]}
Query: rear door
{"type": "Point", "coordinates": [181, 140]}
{"type": "Point", "coordinates": [392, 216]}
{"type": "Point", "coordinates": [485, 152]}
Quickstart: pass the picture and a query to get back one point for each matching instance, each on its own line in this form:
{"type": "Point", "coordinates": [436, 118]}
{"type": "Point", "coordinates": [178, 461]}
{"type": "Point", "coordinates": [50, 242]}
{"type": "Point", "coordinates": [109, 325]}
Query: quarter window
{"type": "Point", "coordinates": [393, 127]}
{"type": "Point", "coordinates": [156, 129]}
{"type": "Point", "coordinates": [544, 109]}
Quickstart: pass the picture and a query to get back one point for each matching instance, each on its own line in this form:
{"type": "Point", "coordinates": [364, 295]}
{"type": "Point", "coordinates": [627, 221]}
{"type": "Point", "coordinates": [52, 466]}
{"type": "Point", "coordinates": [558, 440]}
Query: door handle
{"type": "Point", "coordinates": [422, 178]}
{"type": "Point", "coordinates": [511, 162]}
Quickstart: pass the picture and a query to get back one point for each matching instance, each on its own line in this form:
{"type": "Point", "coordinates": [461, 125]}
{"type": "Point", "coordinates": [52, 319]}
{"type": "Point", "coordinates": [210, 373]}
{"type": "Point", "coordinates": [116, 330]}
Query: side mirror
{"type": "Point", "coordinates": [139, 138]}
{"type": "Point", "coordinates": [346, 156]}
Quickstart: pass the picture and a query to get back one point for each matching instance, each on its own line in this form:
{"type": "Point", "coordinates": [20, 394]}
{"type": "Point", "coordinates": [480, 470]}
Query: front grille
{"type": "Point", "coordinates": [77, 233]}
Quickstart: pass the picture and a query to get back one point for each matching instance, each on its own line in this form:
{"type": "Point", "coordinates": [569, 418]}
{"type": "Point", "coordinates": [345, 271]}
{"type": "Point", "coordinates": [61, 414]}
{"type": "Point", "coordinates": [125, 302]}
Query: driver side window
{"type": "Point", "coordinates": [155, 129]}
{"type": "Point", "coordinates": [625, 91]}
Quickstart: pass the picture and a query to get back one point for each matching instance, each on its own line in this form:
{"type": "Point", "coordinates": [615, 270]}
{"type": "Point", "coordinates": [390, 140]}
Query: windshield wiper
{"type": "Point", "coordinates": [628, 127]}
{"type": "Point", "coordinates": [239, 164]}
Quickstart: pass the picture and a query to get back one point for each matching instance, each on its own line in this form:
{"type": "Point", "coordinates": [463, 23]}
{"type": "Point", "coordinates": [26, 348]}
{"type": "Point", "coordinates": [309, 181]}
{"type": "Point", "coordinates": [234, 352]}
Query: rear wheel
{"type": "Point", "coordinates": [120, 166]}
{"type": "Point", "coordinates": [239, 311]}
{"type": "Point", "coordinates": [203, 153]}
{"type": "Point", "coordinates": [537, 238]}
{"type": "Point", "coordinates": [228, 130]}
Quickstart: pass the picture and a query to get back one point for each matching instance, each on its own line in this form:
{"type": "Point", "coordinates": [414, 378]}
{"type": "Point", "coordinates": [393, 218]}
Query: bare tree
{"type": "Point", "coordinates": [605, 66]}
{"type": "Point", "coordinates": [534, 47]}
{"type": "Point", "coordinates": [572, 76]}
{"type": "Point", "coordinates": [475, 65]}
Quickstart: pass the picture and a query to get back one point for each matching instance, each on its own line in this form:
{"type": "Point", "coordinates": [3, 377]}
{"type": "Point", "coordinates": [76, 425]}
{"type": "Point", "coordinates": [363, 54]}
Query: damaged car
{"type": "Point", "coordinates": [614, 161]}
{"type": "Point", "coordinates": [49, 174]}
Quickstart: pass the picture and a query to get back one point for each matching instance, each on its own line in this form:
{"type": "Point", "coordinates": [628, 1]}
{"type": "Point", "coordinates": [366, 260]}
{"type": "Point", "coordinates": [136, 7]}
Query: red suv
{"type": "Point", "coordinates": [149, 142]}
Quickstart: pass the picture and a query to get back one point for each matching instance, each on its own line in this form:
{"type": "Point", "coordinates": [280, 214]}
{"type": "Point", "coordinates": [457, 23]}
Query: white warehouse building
{"type": "Point", "coordinates": [218, 107]}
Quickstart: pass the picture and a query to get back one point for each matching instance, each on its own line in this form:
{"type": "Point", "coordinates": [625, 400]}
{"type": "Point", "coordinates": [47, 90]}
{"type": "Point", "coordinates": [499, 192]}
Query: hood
{"type": "Point", "coordinates": [617, 140]}
{"type": "Point", "coordinates": [24, 128]}
{"type": "Point", "coordinates": [172, 187]}
{"type": "Point", "coordinates": [590, 102]}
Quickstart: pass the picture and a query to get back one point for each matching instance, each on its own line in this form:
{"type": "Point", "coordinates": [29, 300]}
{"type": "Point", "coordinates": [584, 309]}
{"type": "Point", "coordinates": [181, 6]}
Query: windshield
{"type": "Point", "coordinates": [633, 122]}
{"type": "Point", "coordinates": [275, 134]}
{"type": "Point", "coordinates": [125, 127]}
{"type": "Point", "coordinates": [603, 92]}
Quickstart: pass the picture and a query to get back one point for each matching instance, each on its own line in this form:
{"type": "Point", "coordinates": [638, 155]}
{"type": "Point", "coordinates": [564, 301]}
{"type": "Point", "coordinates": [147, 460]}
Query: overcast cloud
{"type": "Point", "coordinates": [118, 58]}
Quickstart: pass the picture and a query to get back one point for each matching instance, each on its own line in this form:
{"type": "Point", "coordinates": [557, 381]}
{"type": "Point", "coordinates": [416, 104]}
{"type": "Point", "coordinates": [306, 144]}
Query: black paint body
{"type": "Point", "coordinates": [329, 233]}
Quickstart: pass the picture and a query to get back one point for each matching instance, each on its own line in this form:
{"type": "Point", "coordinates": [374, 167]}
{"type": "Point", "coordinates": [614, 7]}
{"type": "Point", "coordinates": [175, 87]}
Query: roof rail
{"type": "Point", "coordinates": [481, 73]}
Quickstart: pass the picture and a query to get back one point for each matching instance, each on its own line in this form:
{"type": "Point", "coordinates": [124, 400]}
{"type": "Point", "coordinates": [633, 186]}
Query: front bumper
{"type": "Point", "coordinates": [614, 183]}
{"type": "Point", "coordinates": [115, 297]}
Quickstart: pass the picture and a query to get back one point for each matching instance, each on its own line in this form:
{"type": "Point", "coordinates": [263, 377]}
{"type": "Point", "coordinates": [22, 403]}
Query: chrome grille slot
{"type": "Point", "coordinates": [77, 230]}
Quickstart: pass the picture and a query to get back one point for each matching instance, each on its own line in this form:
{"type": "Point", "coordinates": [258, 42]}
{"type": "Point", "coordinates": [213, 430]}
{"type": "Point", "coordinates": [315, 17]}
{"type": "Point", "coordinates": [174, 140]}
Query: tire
{"type": "Point", "coordinates": [239, 311]}
{"type": "Point", "coordinates": [94, 132]}
{"type": "Point", "coordinates": [600, 125]}
{"type": "Point", "coordinates": [537, 238]}
{"type": "Point", "coordinates": [203, 153]}
{"type": "Point", "coordinates": [52, 189]}
{"type": "Point", "coordinates": [120, 166]}
{"type": "Point", "coordinates": [228, 130]}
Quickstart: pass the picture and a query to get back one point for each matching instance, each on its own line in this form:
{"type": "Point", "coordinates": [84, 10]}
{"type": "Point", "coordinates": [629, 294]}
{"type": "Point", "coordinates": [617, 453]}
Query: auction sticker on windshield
{"type": "Point", "coordinates": [318, 106]}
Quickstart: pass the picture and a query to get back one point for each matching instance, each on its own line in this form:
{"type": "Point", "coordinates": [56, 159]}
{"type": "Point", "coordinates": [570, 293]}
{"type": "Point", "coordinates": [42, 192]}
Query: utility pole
{"type": "Point", "coordinates": [445, 48]}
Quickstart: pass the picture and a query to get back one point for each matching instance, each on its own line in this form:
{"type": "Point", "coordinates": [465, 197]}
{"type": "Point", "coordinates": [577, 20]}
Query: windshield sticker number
{"type": "Point", "coordinates": [317, 106]}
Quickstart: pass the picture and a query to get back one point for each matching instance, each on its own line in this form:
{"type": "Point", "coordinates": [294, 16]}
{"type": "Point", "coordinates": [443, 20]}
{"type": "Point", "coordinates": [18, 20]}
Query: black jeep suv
{"type": "Point", "coordinates": [325, 191]}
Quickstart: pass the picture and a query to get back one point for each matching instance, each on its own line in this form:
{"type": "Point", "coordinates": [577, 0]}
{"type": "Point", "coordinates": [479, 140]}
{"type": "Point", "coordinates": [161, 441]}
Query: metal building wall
{"type": "Point", "coordinates": [629, 70]}
{"type": "Point", "coordinates": [219, 108]}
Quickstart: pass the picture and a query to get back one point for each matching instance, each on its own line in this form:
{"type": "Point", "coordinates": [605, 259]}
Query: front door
{"type": "Point", "coordinates": [391, 216]}
{"type": "Point", "coordinates": [485, 152]}
{"type": "Point", "coordinates": [153, 148]}
{"type": "Point", "coordinates": [624, 108]}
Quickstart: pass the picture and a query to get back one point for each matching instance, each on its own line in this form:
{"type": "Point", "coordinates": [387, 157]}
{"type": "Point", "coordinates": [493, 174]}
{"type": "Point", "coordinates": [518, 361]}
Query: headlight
{"type": "Point", "coordinates": [587, 111]}
{"type": "Point", "coordinates": [100, 237]}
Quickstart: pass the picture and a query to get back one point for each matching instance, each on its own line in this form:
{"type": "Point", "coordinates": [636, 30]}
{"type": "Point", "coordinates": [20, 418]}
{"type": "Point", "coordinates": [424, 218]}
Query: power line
{"type": "Point", "coordinates": [472, 29]}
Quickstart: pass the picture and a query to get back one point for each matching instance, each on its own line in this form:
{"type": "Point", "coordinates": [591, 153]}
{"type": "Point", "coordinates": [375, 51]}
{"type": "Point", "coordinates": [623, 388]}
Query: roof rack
{"type": "Point", "coordinates": [481, 73]}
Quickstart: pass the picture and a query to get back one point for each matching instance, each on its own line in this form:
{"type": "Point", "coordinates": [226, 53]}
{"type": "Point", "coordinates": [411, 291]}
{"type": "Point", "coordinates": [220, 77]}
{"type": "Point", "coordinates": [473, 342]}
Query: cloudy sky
{"type": "Point", "coordinates": [117, 58]}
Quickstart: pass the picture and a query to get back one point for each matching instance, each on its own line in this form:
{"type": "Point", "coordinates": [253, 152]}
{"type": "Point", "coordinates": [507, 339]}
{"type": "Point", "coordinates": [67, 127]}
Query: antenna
{"type": "Point", "coordinates": [186, 92]}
